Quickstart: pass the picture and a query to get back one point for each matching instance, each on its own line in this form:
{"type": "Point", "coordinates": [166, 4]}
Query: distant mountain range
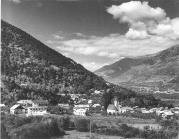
{"type": "Point", "coordinates": [32, 70]}
{"type": "Point", "coordinates": [156, 71]}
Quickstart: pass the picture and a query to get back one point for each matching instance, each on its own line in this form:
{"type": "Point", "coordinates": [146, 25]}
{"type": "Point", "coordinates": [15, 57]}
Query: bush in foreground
{"type": "Point", "coordinates": [30, 127]}
{"type": "Point", "coordinates": [42, 130]}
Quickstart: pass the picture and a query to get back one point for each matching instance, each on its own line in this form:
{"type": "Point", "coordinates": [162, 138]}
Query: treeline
{"type": "Point", "coordinates": [130, 98]}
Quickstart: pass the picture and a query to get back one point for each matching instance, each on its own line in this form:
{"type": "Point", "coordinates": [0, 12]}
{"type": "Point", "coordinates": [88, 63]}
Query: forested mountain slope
{"type": "Point", "coordinates": [32, 70]}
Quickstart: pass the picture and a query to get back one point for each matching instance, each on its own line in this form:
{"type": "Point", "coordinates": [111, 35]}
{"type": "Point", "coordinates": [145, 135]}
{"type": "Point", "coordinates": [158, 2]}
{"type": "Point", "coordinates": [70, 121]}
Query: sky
{"type": "Point", "coordinates": [95, 33]}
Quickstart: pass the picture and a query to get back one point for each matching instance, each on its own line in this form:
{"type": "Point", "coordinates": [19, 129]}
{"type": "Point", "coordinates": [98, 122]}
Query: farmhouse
{"type": "Point", "coordinates": [112, 109]}
{"type": "Point", "coordinates": [125, 109]}
{"type": "Point", "coordinates": [80, 112]}
{"type": "Point", "coordinates": [64, 105]}
{"type": "Point", "coordinates": [34, 111]}
{"type": "Point", "coordinates": [29, 107]}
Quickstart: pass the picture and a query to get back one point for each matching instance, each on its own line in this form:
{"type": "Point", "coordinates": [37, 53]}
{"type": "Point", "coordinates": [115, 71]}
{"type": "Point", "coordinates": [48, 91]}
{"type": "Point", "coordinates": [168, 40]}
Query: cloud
{"type": "Point", "coordinates": [175, 25]}
{"type": "Point", "coordinates": [144, 20]}
{"type": "Point", "coordinates": [16, 1]}
{"type": "Point", "coordinates": [58, 37]}
{"type": "Point", "coordinates": [137, 34]}
{"type": "Point", "coordinates": [93, 65]}
{"type": "Point", "coordinates": [115, 46]}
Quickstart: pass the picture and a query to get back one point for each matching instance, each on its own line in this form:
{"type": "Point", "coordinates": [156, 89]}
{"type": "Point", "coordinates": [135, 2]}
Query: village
{"type": "Point", "coordinates": [86, 107]}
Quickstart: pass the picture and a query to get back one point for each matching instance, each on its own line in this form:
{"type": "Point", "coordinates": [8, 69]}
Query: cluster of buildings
{"type": "Point", "coordinates": [115, 108]}
{"type": "Point", "coordinates": [30, 107]}
{"type": "Point", "coordinates": [81, 109]}
{"type": "Point", "coordinates": [39, 107]}
{"type": "Point", "coordinates": [82, 105]}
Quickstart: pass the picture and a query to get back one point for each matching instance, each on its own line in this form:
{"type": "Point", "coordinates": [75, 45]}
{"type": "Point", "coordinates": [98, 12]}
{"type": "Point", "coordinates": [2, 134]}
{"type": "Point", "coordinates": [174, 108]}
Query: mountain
{"type": "Point", "coordinates": [156, 71]}
{"type": "Point", "coordinates": [31, 70]}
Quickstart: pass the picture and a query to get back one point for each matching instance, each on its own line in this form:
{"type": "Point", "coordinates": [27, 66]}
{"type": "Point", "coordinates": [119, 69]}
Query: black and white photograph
{"type": "Point", "coordinates": [89, 69]}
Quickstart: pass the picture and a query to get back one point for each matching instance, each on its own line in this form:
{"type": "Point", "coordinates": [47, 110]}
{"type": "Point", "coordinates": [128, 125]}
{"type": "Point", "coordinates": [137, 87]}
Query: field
{"type": "Point", "coordinates": [73, 134]}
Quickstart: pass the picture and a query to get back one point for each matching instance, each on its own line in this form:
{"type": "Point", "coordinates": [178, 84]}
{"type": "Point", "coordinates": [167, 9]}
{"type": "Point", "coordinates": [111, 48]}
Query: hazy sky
{"type": "Point", "coordinates": [97, 32]}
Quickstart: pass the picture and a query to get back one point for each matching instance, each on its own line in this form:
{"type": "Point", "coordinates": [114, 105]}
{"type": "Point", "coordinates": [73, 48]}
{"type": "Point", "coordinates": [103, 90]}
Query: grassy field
{"type": "Point", "coordinates": [73, 134]}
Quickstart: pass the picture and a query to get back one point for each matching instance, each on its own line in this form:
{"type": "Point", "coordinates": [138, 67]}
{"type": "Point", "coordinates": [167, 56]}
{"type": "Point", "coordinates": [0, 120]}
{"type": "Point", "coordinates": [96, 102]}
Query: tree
{"type": "Point", "coordinates": [107, 97]}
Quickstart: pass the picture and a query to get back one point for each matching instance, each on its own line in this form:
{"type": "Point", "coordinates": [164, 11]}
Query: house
{"type": "Point", "coordinates": [2, 105]}
{"type": "Point", "coordinates": [82, 106]}
{"type": "Point", "coordinates": [125, 109]}
{"type": "Point", "coordinates": [153, 110]}
{"type": "Point", "coordinates": [64, 106]}
{"type": "Point", "coordinates": [96, 105]}
{"type": "Point", "coordinates": [34, 111]}
{"type": "Point", "coordinates": [175, 110]}
{"type": "Point", "coordinates": [29, 107]}
{"type": "Point", "coordinates": [111, 109]}
{"type": "Point", "coordinates": [90, 101]}
{"type": "Point", "coordinates": [17, 109]}
{"type": "Point", "coordinates": [97, 92]}
{"type": "Point", "coordinates": [80, 112]}
{"type": "Point", "coordinates": [167, 114]}
{"type": "Point", "coordinates": [145, 111]}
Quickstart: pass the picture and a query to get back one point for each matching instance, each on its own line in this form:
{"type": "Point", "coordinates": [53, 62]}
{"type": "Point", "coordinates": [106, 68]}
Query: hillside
{"type": "Point", "coordinates": [32, 70]}
{"type": "Point", "coordinates": [160, 70]}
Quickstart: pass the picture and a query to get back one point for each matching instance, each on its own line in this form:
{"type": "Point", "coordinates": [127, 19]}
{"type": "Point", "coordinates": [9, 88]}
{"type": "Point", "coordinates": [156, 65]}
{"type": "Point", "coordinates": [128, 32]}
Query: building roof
{"type": "Point", "coordinates": [2, 105]}
{"type": "Point", "coordinates": [40, 101]}
{"type": "Point", "coordinates": [17, 106]}
{"type": "Point", "coordinates": [111, 107]}
{"type": "Point", "coordinates": [24, 101]}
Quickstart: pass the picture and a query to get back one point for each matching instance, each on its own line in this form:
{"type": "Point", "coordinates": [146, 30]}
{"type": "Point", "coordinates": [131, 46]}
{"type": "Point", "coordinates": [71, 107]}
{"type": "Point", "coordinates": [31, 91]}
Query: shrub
{"type": "Point", "coordinates": [42, 130]}
{"type": "Point", "coordinates": [29, 127]}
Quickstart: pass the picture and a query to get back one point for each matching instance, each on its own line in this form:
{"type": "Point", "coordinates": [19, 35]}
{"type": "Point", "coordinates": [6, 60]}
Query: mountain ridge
{"type": "Point", "coordinates": [163, 65]}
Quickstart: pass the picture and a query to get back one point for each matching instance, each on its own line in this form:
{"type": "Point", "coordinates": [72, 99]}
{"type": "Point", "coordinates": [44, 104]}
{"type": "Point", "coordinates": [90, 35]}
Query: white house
{"type": "Point", "coordinates": [80, 112]}
{"type": "Point", "coordinates": [167, 113]}
{"type": "Point", "coordinates": [2, 105]}
{"type": "Point", "coordinates": [90, 101]}
{"type": "Point", "coordinates": [125, 109]}
{"type": "Point", "coordinates": [64, 105]}
{"type": "Point", "coordinates": [29, 107]}
{"type": "Point", "coordinates": [97, 92]}
{"type": "Point", "coordinates": [34, 111]}
{"type": "Point", "coordinates": [111, 109]}
{"type": "Point", "coordinates": [175, 110]}
{"type": "Point", "coordinates": [96, 105]}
